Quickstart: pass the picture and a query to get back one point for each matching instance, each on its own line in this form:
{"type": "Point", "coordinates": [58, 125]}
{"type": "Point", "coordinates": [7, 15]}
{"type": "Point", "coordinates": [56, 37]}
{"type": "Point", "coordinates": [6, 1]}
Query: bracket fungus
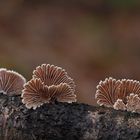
{"type": "Point", "coordinates": [11, 82]}
{"type": "Point", "coordinates": [119, 94]}
{"type": "Point", "coordinates": [49, 83]}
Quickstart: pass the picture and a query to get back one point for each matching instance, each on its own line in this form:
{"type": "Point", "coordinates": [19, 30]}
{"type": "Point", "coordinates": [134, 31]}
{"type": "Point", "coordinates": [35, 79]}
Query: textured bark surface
{"type": "Point", "coordinates": [62, 121]}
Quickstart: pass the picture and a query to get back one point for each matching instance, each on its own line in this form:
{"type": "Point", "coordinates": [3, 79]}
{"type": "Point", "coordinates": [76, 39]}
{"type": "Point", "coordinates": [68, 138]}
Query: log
{"type": "Point", "coordinates": [63, 121]}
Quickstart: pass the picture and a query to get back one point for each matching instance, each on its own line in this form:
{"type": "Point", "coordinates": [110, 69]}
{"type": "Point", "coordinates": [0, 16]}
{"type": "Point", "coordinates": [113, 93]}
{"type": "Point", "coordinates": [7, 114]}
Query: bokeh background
{"type": "Point", "coordinates": [91, 39]}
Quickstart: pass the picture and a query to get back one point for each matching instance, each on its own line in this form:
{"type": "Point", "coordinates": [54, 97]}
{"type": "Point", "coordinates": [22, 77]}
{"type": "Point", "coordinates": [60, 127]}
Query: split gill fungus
{"type": "Point", "coordinates": [49, 83]}
{"type": "Point", "coordinates": [11, 82]}
{"type": "Point", "coordinates": [119, 94]}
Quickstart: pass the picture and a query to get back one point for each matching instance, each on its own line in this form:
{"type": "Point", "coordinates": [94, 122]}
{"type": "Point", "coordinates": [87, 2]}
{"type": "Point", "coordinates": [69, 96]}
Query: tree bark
{"type": "Point", "coordinates": [62, 121]}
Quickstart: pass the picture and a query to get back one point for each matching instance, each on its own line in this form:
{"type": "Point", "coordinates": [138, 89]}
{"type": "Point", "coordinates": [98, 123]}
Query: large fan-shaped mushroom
{"type": "Point", "coordinates": [49, 84]}
{"type": "Point", "coordinates": [53, 75]}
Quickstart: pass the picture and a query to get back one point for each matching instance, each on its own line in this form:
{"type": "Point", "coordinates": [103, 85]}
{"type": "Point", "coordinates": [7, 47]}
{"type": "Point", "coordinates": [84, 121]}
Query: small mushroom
{"type": "Point", "coordinates": [11, 82]}
{"type": "Point", "coordinates": [107, 92]}
{"type": "Point", "coordinates": [64, 94]}
{"type": "Point", "coordinates": [119, 105]}
{"type": "Point", "coordinates": [35, 93]}
{"type": "Point", "coordinates": [133, 103]}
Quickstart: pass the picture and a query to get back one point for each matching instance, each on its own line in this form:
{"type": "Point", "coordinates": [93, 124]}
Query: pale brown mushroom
{"type": "Point", "coordinates": [133, 103]}
{"type": "Point", "coordinates": [64, 94]}
{"type": "Point", "coordinates": [119, 105]}
{"type": "Point", "coordinates": [35, 93]}
{"type": "Point", "coordinates": [11, 82]}
{"type": "Point", "coordinates": [107, 92]}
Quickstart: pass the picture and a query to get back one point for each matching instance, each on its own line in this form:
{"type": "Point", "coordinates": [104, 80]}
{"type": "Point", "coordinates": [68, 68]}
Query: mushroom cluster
{"type": "Point", "coordinates": [120, 94]}
{"type": "Point", "coordinates": [49, 84]}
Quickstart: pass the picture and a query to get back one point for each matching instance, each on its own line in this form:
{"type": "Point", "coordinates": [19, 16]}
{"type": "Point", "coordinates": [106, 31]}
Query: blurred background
{"type": "Point", "coordinates": [91, 39]}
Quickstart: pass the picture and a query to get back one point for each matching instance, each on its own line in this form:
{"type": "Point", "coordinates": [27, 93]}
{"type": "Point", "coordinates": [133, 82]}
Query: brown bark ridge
{"type": "Point", "coordinates": [63, 121]}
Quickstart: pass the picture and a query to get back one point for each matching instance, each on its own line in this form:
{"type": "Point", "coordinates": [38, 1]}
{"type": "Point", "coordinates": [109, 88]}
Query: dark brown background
{"type": "Point", "coordinates": [91, 39]}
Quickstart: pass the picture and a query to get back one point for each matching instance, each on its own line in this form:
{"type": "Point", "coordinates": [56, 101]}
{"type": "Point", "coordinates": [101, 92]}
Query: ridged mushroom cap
{"type": "Point", "coordinates": [53, 75]}
{"type": "Point", "coordinates": [107, 92]}
{"type": "Point", "coordinates": [36, 93]}
{"type": "Point", "coordinates": [11, 82]}
{"type": "Point", "coordinates": [127, 87]}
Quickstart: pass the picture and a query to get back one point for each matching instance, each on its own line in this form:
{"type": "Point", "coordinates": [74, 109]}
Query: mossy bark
{"type": "Point", "coordinates": [62, 121]}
